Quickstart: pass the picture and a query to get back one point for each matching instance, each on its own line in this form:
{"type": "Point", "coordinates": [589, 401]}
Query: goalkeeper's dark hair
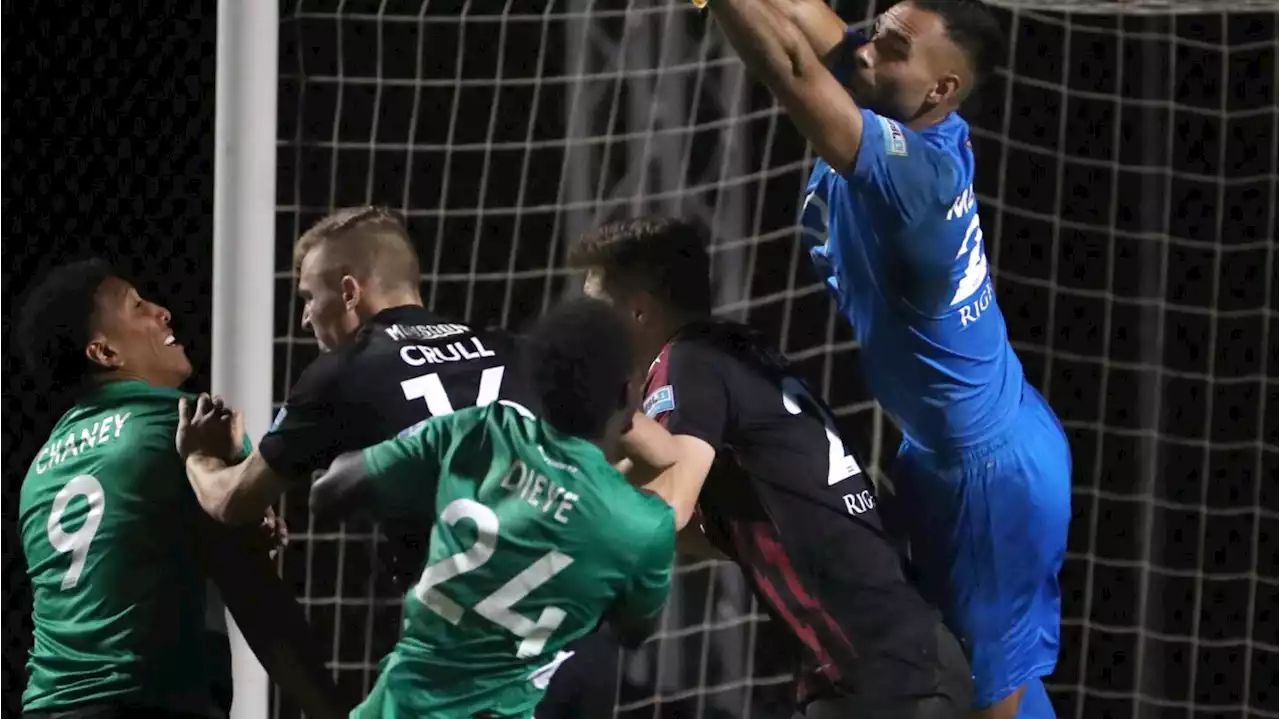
{"type": "Point", "coordinates": [55, 323]}
{"type": "Point", "coordinates": [662, 256]}
{"type": "Point", "coordinates": [579, 357]}
{"type": "Point", "coordinates": [974, 29]}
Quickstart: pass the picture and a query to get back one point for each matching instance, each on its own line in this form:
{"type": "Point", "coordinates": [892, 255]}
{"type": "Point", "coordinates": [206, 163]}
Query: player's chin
{"type": "Point", "coordinates": [177, 361]}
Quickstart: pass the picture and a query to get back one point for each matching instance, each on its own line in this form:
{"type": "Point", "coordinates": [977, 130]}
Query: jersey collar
{"type": "Point", "coordinates": [127, 389]}
{"type": "Point", "coordinates": [405, 314]}
{"type": "Point", "coordinates": [951, 126]}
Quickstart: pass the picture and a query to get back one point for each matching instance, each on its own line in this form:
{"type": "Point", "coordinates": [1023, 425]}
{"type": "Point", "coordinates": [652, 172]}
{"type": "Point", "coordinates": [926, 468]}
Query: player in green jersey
{"type": "Point", "coordinates": [538, 537]}
{"type": "Point", "coordinates": [118, 550]}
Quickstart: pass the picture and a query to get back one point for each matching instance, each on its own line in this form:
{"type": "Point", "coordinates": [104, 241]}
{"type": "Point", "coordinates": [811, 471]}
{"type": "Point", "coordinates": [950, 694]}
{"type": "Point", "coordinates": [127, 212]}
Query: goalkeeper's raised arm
{"type": "Point", "coordinates": [779, 53]}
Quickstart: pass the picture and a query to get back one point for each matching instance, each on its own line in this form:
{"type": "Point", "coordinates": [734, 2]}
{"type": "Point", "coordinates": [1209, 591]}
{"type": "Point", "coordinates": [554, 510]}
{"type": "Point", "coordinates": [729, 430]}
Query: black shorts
{"type": "Point", "coordinates": [951, 698]}
{"type": "Point", "coordinates": [111, 710]}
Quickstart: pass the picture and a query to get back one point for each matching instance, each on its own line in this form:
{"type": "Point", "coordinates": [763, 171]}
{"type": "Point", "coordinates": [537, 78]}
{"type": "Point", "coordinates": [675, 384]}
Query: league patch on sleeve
{"type": "Point", "coordinates": [275, 423]}
{"type": "Point", "coordinates": [895, 141]}
{"type": "Point", "coordinates": [662, 399]}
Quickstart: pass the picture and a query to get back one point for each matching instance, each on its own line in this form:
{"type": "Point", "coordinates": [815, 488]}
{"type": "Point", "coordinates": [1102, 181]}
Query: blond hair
{"type": "Point", "coordinates": [369, 243]}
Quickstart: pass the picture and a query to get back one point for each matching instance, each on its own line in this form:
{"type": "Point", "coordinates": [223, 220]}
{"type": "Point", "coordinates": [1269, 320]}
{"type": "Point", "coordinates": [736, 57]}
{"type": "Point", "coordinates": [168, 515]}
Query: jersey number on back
{"type": "Point", "coordinates": [975, 272]}
{"type": "Point", "coordinates": [76, 541]}
{"type": "Point", "coordinates": [840, 464]}
{"type": "Point", "coordinates": [428, 387]}
{"type": "Point", "coordinates": [497, 606]}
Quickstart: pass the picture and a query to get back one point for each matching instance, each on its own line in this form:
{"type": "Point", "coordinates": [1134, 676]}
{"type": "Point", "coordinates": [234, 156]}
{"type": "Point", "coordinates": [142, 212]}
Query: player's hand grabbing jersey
{"type": "Point", "coordinates": [787, 500]}
{"type": "Point", "coordinates": [536, 538]}
{"type": "Point", "coordinates": [107, 519]}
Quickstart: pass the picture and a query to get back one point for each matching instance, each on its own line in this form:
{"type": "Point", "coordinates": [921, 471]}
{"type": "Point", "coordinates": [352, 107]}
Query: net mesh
{"type": "Point", "coordinates": [1127, 179]}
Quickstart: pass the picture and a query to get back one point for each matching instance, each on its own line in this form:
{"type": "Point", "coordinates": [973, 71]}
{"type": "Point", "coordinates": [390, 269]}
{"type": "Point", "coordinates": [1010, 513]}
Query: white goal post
{"type": "Point", "coordinates": [243, 239]}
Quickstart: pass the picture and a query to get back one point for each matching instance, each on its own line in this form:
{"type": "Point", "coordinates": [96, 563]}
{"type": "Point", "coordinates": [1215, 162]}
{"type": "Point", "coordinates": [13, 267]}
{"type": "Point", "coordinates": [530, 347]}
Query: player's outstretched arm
{"type": "Point", "coordinates": [778, 53]}
{"type": "Point", "coordinates": [637, 611]}
{"type": "Point", "coordinates": [682, 463]}
{"type": "Point", "coordinates": [234, 493]}
{"type": "Point", "coordinates": [394, 480]}
{"type": "Point", "coordinates": [822, 28]}
{"type": "Point", "coordinates": [230, 492]}
{"type": "Point", "coordinates": [270, 618]}
{"type": "Point", "coordinates": [343, 489]}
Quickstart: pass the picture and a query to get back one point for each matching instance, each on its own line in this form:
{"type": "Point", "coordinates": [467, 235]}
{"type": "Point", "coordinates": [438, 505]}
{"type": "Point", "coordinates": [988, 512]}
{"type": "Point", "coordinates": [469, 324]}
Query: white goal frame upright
{"type": "Point", "coordinates": [243, 245]}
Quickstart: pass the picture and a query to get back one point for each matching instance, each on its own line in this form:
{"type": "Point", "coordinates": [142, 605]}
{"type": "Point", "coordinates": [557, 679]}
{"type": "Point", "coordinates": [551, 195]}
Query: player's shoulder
{"type": "Point", "coordinates": [134, 403]}
{"type": "Point", "coordinates": [723, 344]}
{"type": "Point", "coordinates": [123, 424]}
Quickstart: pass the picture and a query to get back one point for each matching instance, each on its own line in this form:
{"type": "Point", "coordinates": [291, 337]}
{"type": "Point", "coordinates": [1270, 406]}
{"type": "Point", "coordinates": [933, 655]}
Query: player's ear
{"type": "Point", "coordinates": [946, 89]}
{"type": "Point", "coordinates": [100, 352]}
{"type": "Point", "coordinates": [351, 292]}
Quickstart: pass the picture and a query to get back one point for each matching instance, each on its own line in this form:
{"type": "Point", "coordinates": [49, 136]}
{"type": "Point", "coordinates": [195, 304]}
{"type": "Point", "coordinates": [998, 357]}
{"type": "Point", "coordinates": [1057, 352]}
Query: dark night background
{"type": "Point", "coordinates": [1131, 223]}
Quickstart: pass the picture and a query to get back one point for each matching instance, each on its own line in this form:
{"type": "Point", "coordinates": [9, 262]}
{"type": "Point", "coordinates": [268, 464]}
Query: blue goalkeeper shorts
{"type": "Point", "coordinates": [988, 532]}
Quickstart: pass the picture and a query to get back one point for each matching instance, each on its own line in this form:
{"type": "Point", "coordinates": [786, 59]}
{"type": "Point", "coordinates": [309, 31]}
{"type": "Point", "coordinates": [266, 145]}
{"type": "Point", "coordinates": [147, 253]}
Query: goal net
{"type": "Point", "coordinates": [1127, 181]}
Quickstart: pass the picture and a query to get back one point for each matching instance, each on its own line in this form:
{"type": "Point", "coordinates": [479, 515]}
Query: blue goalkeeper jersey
{"type": "Point", "coordinates": [897, 239]}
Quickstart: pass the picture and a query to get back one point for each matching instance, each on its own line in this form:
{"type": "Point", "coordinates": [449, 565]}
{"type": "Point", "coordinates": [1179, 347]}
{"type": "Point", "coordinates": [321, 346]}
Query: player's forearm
{"type": "Point", "coordinates": [224, 491]}
{"type": "Point", "coordinates": [771, 46]}
{"type": "Point", "coordinates": [821, 27]}
{"type": "Point", "coordinates": [271, 620]}
{"type": "Point", "coordinates": [339, 490]}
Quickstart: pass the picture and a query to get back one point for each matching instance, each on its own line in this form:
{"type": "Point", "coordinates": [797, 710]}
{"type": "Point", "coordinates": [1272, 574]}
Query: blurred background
{"type": "Point", "coordinates": [1127, 176]}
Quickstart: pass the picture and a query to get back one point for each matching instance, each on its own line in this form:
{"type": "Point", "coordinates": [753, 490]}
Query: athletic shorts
{"type": "Point", "coordinates": [987, 527]}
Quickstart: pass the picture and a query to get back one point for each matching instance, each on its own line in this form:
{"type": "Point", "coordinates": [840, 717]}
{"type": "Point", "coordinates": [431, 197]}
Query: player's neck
{"type": "Point", "coordinates": [665, 331]}
{"type": "Point", "coordinates": [122, 375]}
{"type": "Point", "coordinates": [926, 120]}
{"type": "Point", "coordinates": [389, 301]}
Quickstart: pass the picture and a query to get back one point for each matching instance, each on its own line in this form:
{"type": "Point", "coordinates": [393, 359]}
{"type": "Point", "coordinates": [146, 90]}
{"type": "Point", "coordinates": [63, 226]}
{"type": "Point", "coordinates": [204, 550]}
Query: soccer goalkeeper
{"type": "Point", "coordinates": [984, 470]}
{"type": "Point", "coordinates": [117, 548]}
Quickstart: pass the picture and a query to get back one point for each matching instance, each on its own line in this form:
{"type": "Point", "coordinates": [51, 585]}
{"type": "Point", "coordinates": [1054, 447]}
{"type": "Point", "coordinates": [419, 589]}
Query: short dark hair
{"type": "Point", "coordinates": [579, 357]}
{"type": "Point", "coordinates": [974, 29]}
{"type": "Point", "coordinates": [665, 257]}
{"type": "Point", "coordinates": [55, 323]}
{"type": "Point", "coordinates": [372, 242]}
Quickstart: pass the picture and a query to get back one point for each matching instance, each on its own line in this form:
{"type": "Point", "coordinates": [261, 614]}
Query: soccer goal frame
{"type": "Point", "coordinates": [243, 247]}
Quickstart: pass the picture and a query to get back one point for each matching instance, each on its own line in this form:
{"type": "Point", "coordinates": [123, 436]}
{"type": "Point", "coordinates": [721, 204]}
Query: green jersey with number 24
{"type": "Point", "coordinates": [536, 537]}
{"type": "Point", "coordinates": [119, 596]}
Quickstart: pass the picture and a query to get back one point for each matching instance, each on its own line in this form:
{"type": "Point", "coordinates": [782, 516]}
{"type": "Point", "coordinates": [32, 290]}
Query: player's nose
{"type": "Point", "coordinates": [864, 56]}
{"type": "Point", "coordinates": [163, 315]}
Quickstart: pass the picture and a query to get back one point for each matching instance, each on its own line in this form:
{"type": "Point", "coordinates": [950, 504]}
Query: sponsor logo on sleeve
{"type": "Point", "coordinates": [662, 399]}
{"type": "Point", "coordinates": [895, 140]}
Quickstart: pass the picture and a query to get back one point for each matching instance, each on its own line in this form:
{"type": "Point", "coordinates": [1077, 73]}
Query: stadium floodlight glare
{"type": "Point", "coordinates": [1127, 184]}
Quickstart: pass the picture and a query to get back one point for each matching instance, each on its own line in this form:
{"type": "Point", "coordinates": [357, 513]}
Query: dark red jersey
{"type": "Point", "coordinates": [789, 502]}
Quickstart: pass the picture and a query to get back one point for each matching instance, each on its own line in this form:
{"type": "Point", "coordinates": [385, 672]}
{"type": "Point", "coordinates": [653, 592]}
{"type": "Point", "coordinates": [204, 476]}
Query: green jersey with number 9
{"type": "Point", "coordinates": [536, 538]}
{"type": "Point", "coordinates": [107, 519]}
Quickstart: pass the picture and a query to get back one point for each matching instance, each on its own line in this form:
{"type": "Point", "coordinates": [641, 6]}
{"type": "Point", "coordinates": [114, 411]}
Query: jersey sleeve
{"type": "Point", "coordinates": [688, 394]}
{"type": "Point", "coordinates": [307, 432]}
{"type": "Point", "coordinates": [402, 472]}
{"type": "Point", "coordinates": [646, 590]}
{"type": "Point", "coordinates": [899, 174]}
